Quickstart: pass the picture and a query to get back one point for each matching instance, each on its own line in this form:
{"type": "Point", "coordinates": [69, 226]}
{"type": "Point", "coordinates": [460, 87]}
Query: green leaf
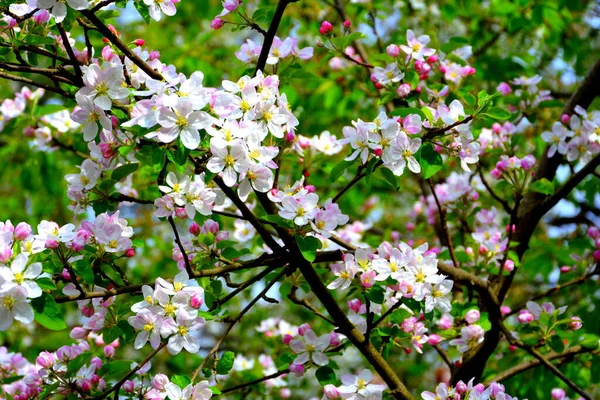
{"type": "Point", "coordinates": [114, 369]}
{"type": "Point", "coordinates": [430, 160]}
{"type": "Point", "coordinates": [376, 294]}
{"type": "Point", "coordinates": [498, 113]}
{"type": "Point", "coordinates": [339, 170]}
{"type": "Point", "coordinates": [111, 334]}
{"type": "Point", "coordinates": [143, 10]}
{"type": "Point", "coordinates": [308, 246]}
{"type": "Point", "coordinates": [48, 109]}
{"type": "Point", "coordinates": [225, 363]}
{"type": "Point", "coordinates": [181, 380]}
{"type": "Point", "coordinates": [550, 103]}
{"type": "Point", "coordinates": [389, 177]}
{"type": "Point", "coordinates": [123, 171]}
{"type": "Point", "coordinates": [46, 284]}
{"type": "Point", "coordinates": [543, 186]}
{"type": "Point", "coordinates": [84, 270]}
{"type": "Point", "coordinates": [77, 363]}
{"type": "Point", "coordinates": [590, 341]}
{"type": "Point", "coordinates": [556, 344]}
{"type": "Point", "coordinates": [403, 112]}
{"type": "Point", "coordinates": [47, 313]}
{"type": "Point", "coordinates": [325, 375]}
{"type": "Point", "coordinates": [454, 43]}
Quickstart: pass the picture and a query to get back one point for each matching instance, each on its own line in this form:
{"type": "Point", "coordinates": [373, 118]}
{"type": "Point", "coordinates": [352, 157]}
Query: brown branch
{"type": "Point", "coordinates": [444, 223]}
{"type": "Point", "coordinates": [527, 365]}
{"type": "Point", "coordinates": [71, 54]}
{"type": "Point", "coordinates": [236, 320]}
{"type": "Point", "coordinates": [255, 381]}
{"type": "Point", "coordinates": [551, 367]}
{"type": "Point", "coordinates": [491, 191]}
{"type": "Point", "coordinates": [260, 228]}
{"type": "Point", "coordinates": [186, 260]}
{"type": "Point", "coordinates": [121, 46]}
{"type": "Point", "coordinates": [271, 33]}
{"type": "Point", "coordinates": [435, 132]}
{"type": "Point", "coordinates": [117, 386]}
{"type": "Point", "coordinates": [31, 82]}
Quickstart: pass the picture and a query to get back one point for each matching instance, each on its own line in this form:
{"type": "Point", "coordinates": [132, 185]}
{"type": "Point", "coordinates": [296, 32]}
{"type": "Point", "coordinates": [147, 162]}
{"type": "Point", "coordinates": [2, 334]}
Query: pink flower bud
{"type": "Point", "coordinates": [496, 173]}
{"type": "Point", "coordinates": [575, 323]}
{"type": "Point", "coordinates": [347, 24]}
{"type": "Point", "coordinates": [64, 353]}
{"type": "Point", "coordinates": [310, 188]}
{"type": "Point", "coordinates": [303, 328]}
{"type": "Point", "coordinates": [355, 305]}
{"type": "Point", "coordinates": [287, 338]}
{"type": "Point", "coordinates": [565, 268]}
{"type": "Point", "coordinates": [216, 23]}
{"type": "Point", "coordinates": [504, 88]}
{"type": "Point", "coordinates": [285, 393]}
{"type": "Point", "coordinates": [443, 69]}
{"type": "Point", "coordinates": [96, 362]}
{"type": "Point", "coordinates": [51, 244]}
{"type": "Point", "coordinates": [109, 351]}
{"type": "Point", "coordinates": [592, 231]}
{"type": "Point", "coordinates": [210, 226]}
{"type": "Point", "coordinates": [469, 251]}
{"type": "Point", "coordinates": [180, 213]}
{"type": "Point", "coordinates": [331, 392]}
{"type": "Point", "coordinates": [139, 42]}
{"type": "Point", "coordinates": [45, 359]}
{"type": "Point", "coordinates": [159, 381]}
{"type": "Point", "coordinates": [472, 316]}
{"type": "Point", "coordinates": [154, 55]}
{"type": "Point", "coordinates": [509, 266]}
{"type": "Point", "coordinates": [558, 394]}
{"type": "Point", "coordinates": [565, 118]}
{"type": "Point", "coordinates": [304, 142]}
{"type": "Point", "coordinates": [326, 28]}
{"type": "Point", "coordinates": [496, 128]}
{"type": "Point", "coordinates": [410, 226]}
{"type": "Point", "coordinates": [393, 50]}
{"type": "Point", "coordinates": [597, 256]}
{"type": "Point", "coordinates": [505, 310]}
{"type": "Point", "coordinates": [525, 317]}
{"type": "Point", "coordinates": [334, 339]}
{"type": "Point", "coordinates": [444, 322]}
{"type": "Point", "coordinates": [196, 301]}
{"type": "Point", "coordinates": [78, 333]}
{"type": "Point", "coordinates": [297, 369]}
{"type": "Point", "coordinates": [86, 385]}
{"type": "Point", "coordinates": [290, 137]}
{"type": "Point", "coordinates": [128, 386]}
{"type": "Point", "coordinates": [22, 231]}
{"type": "Point", "coordinates": [479, 388]}
{"type": "Point", "coordinates": [434, 339]}
{"type": "Point", "coordinates": [432, 59]}
{"type": "Point", "coordinates": [461, 387]}
{"type": "Point", "coordinates": [87, 310]}
{"type": "Point", "coordinates": [5, 254]}
{"type": "Point", "coordinates": [404, 90]}
{"type": "Point", "coordinates": [528, 162]}
{"type": "Point", "coordinates": [130, 252]}
{"type": "Point", "coordinates": [107, 53]}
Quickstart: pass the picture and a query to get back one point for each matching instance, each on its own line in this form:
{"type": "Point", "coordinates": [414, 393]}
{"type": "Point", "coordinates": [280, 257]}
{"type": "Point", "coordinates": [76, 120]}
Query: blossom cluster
{"type": "Point", "coordinates": [409, 273]}
{"type": "Point", "coordinates": [299, 203]}
{"type": "Point", "coordinates": [357, 387]}
{"type": "Point", "coordinates": [471, 391]}
{"type": "Point", "coordinates": [577, 136]}
{"type": "Point", "coordinates": [280, 50]}
{"type": "Point", "coordinates": [170, 310]}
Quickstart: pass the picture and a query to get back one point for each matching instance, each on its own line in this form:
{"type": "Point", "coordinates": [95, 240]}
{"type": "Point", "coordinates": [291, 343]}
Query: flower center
{"type": "Point", "coordinates": [229, 160]}
{"type": "Point", "coordinates": [182, 330]}
{"type": "Point", "coordinates": [148, 327]}
{"type": "Point", "coordinates": [19, 278]}
{"type": "Point", "coordinates": [9, 302]}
